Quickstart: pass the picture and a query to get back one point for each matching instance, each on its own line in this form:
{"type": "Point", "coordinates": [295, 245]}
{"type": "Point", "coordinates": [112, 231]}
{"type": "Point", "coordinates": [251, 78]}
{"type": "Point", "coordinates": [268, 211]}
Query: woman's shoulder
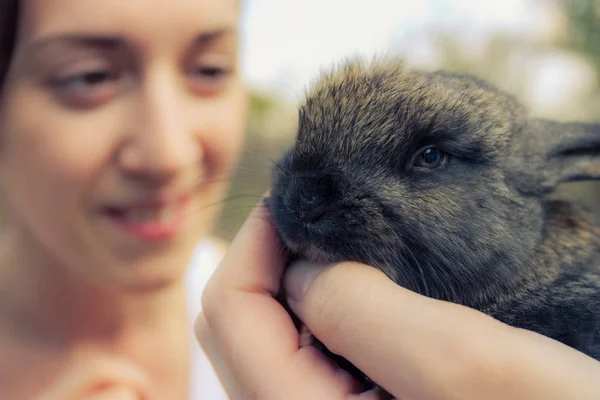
{"type": "Point", "coordinates": [205, 260]}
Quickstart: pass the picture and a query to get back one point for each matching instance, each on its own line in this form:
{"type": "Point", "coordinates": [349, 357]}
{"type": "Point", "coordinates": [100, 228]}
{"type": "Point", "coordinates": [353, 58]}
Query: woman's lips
{"type": "Point", "coordinates": [150, 222]}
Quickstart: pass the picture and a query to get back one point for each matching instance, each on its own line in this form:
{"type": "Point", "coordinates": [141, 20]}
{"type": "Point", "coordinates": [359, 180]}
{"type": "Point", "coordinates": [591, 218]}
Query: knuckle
{"type": "Point", "coordinates": [210, 299]}
{"type": "Point", "coordinates": [201, 329]}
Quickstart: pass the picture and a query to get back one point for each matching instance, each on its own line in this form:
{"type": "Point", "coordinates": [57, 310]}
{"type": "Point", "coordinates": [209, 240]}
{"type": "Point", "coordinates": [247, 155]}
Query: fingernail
{"type": "Point", "coordinates": [298, 278]}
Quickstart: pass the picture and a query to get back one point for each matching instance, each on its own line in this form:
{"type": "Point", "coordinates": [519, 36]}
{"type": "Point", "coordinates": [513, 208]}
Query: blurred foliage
{"type": "Point", "coordinates": [583, 31]}
{"type": "Point", "coordinates": [583, 36]}
{"type": "Point", "coordinates": [501, 62]}
{"type": "Point", "coordinates": [262, 149]}
{"type": "Point", "coordinates": [492, 64]}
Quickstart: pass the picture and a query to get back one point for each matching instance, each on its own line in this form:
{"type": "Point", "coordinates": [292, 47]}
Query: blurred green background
{"type": "Point", "coordinates": [503, 60]}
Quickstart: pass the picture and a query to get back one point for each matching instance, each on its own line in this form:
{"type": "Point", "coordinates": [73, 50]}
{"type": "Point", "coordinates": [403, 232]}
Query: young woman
{"type": "Point", "coordinates": [119, 122]}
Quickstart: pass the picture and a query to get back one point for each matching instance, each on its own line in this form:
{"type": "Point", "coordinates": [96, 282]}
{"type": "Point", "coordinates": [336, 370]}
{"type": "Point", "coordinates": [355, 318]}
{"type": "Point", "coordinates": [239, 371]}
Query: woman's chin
{"type": "Point", "coordinates": [149, 284]}
{"type": "Point", "coordinates": [148, 276]}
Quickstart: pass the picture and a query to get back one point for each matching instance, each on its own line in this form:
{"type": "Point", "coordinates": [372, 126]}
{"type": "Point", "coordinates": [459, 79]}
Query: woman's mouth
{"type": "Point", "coordinates": [150, 222]}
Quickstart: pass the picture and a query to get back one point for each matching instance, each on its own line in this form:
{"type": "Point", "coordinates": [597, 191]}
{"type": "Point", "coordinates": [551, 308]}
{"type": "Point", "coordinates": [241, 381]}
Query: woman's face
{"type": "Point", "coordinates": [120, 122]}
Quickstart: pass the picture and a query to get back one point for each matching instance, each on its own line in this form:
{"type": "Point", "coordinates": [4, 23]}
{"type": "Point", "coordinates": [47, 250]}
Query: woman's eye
{"type": "Point", "coordinates": [85, 80]}
{"type": "Point", "coordinates": [431, 158]}
{"type": "Point", "coordinates": [211, 72]}
{"type": "Point", "coordinates": [87, 89]}
{"type": "Point", "coordinates": [209, 80]}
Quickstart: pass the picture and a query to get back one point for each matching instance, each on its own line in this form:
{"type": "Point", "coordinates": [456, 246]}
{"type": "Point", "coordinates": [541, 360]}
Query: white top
{"type": "Point", "coordinates": [204, 382]}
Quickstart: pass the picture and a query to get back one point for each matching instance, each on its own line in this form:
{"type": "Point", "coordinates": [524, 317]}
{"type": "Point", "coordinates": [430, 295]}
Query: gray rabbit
{"type": "Point", "coordinates": [441, 181]}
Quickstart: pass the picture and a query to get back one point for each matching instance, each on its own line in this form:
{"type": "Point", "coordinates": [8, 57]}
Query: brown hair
{"type": "Point", "coordinates": [8, 33]}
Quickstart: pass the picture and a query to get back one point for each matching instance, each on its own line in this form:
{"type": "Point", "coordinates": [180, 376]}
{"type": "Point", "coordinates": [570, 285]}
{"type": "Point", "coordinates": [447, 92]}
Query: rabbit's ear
{"type": "Point", "coordinates": [555, 152]}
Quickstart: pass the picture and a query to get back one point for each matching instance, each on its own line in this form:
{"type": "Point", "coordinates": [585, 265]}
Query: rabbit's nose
{"type": "Point", "coordinates": [311, 198]}
{"type": "Point", "coordinates": [315, 210]}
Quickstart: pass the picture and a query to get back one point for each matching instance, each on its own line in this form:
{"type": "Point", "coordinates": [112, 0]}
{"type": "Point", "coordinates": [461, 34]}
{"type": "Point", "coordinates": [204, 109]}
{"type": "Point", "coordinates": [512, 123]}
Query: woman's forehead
{"type": "Point", "coordinates": [134, 19]}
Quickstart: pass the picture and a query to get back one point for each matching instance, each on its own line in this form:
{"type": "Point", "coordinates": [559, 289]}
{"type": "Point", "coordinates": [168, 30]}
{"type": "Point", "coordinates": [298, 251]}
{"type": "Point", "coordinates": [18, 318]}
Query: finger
{"type": "Point", "coordinates": [238, 302]}
{"type": "Point", "coordinates": [333, 382]}
{"type": "Point", "coordinates": [417, 347]}
{"type": "Point", "coordinates": [255, 259]}
{"type": "Point", "coordinates": [207, 342]}
{"type": "Point", "coordinates": [95, 373]}
{"type": "Point", "coordinates": [357, 312]}
{"type": "Point", "coordinates": [115, 393]}
{"type": "Point", "coordinates": [249, 335]}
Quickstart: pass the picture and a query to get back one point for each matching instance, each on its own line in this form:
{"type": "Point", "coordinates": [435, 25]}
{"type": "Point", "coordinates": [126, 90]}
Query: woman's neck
{"type": "Point", "coordinates": [45, 302]}
{"type": "Point", "coordinates": [51, 312]}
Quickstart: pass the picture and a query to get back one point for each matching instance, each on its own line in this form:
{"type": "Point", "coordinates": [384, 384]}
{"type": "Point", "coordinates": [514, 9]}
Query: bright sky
{"type": "Point", "coordinates": [287, 42]}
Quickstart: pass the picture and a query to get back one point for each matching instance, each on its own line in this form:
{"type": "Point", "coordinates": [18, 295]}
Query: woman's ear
{"type": "Point", "coordinates": [549, 153]}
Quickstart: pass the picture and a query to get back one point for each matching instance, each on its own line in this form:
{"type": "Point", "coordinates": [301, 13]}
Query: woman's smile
{"type": "Point", "coordinates": [151, 220]}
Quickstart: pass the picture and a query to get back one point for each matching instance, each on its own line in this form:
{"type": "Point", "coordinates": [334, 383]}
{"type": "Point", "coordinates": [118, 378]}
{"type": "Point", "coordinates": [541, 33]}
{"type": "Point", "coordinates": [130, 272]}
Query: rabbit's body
{"type": "Point", "coordinates": [440, 181]}
{"type": "Point", "coordinates": [564, 303]}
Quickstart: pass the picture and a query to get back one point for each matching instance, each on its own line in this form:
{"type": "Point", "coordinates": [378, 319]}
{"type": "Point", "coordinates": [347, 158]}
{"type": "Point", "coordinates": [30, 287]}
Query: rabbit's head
{"type": "Point", "coordinates": [437, 179]}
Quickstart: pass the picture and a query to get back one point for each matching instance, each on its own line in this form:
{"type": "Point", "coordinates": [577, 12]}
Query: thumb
{"type": "Point", "coordinates": [360, 314]}
{"type": "Point", "coordinates": [411, 345]}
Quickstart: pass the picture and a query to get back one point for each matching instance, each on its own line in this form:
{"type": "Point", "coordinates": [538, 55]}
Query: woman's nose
{"type": "Point", "coordinates": [162, 141]}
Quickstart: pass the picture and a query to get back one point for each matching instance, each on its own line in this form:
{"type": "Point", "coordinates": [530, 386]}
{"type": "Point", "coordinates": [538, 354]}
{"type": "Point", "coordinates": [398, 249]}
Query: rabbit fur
{"type": "Point", "coordinates": [364, 182]}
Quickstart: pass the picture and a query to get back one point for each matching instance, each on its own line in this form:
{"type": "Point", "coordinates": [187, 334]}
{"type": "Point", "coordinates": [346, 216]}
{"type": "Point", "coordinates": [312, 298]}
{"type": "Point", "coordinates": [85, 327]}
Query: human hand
{"type": "Point", "coordinates": [413, 346]}
{"type": "Point", "coordinates": [420, 348]}
{"type": "Point", "coordinates": [98, 378]}
{"type": "Point", "coordinates": [247, 334]}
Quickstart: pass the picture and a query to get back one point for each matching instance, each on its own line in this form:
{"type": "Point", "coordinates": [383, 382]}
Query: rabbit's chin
{"type": "Point", "coordinates": [312, 253]}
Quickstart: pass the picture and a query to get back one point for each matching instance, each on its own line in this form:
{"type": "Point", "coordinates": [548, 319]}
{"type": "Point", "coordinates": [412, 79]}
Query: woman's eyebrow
{"type": "Point", "coordinates": [210, 36]}
{"type": "Point", "coordinates": [43, 46]}
{"type": "Point", "coordinates": [103, 41]}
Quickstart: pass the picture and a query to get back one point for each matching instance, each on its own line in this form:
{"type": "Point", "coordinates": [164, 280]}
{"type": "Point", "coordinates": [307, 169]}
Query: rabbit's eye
{"type": "Point", "coordinates": [431, 158]}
